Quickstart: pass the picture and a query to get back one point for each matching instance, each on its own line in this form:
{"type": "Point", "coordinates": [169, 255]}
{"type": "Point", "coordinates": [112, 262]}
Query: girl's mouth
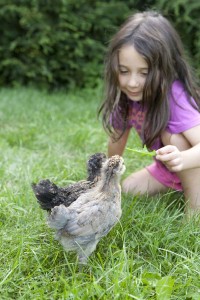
{"type": "Point", "coordinates": [134, 94]}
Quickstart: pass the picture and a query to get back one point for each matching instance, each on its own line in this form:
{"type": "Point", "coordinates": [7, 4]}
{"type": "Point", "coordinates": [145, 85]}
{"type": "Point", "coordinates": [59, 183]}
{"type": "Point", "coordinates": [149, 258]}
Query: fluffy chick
{"type": "Point", "coordinates": [81, 225]}
{"type": "Point", "coordinates": [49, 194]}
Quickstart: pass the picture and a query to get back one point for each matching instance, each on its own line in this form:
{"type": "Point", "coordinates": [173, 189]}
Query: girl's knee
{"type": "Point", "coordinates": [125, 186]}
{"type": "Point", "coordinates": [130, 185]}
{"type": "Point", "coordinates": [135, 183]}
{"type": "Point", "coordinates": [177, 140]}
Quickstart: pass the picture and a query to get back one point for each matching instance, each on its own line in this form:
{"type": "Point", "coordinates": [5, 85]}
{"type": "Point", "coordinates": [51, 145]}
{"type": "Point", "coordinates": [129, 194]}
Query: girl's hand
{"type": "Point", "coordinates": [171, 157]}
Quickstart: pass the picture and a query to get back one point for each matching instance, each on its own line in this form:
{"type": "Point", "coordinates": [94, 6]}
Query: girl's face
{"type": "Point", "coordinates": [133, 70]}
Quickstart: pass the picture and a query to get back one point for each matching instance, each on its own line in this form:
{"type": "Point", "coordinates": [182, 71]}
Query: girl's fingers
{"type": "Point", "coordinates": [168, 154]}
{"type": "Point", "coordinates": [166, 149]}
{"type": "Point", "coordinates": [167, 157]}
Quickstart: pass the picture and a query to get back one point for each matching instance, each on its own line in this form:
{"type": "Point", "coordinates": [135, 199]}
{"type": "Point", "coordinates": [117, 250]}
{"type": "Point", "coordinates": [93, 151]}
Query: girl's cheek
{"type": "Point", "coordinates": [122, 83]}
{"type": "Point", "coordinates": [143, 81]}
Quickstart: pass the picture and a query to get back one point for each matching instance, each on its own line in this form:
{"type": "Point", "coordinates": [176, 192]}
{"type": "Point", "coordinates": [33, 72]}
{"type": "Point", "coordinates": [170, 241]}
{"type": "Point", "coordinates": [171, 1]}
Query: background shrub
{"type": "Point", "coordinates": [61, 44]}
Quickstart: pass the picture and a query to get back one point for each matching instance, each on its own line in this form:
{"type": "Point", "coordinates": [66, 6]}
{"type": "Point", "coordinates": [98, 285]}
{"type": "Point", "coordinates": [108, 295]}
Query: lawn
{"type": "Point", "coordinates": [151, 254]}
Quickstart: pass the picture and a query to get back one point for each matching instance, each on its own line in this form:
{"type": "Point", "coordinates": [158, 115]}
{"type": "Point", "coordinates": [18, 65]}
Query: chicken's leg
{"type": "Point", "coordinates": [83, 254]}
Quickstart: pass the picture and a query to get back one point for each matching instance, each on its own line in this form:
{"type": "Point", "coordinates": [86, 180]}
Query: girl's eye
{"type": "Point", "coordinates": [144, 74]}
{"type": "Point", "coordinates": [123, 71]}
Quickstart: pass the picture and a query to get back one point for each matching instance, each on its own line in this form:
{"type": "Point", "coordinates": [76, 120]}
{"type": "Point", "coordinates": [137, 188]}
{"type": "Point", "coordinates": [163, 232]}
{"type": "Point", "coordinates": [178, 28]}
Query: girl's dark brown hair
{"type": "Point", "coordinates": [157, 41]}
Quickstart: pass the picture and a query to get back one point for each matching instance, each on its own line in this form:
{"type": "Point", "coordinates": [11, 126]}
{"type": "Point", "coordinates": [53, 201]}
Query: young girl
{"type": "Point", "coordinates": [149, 86]}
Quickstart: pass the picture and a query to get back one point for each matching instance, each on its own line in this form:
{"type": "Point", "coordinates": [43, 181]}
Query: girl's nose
{"type": "Point", "coordinates": [133, 81]}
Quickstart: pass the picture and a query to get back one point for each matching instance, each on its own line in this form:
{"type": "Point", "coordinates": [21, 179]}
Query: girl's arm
{"type": "Point", "coordinates": [176, 160]}
{"type": "Point", "coordinates": [118, 147]}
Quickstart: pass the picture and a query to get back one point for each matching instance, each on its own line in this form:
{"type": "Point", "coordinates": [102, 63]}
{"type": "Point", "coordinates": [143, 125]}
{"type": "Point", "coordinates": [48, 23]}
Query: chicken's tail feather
{"type": "Point", "coordinates": [45, 192]}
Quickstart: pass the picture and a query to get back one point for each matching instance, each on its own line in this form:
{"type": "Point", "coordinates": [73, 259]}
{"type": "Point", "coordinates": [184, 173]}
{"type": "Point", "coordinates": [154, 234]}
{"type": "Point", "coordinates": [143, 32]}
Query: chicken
{"type": "Point", "coordinates": [82, 225]}
{"type": "Point", "coordinates": [49, 194]}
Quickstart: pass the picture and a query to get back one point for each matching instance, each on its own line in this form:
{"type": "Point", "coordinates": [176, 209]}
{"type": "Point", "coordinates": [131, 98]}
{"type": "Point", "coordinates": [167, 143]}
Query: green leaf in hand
{"type": "Point", "coordinates": [143, 151]}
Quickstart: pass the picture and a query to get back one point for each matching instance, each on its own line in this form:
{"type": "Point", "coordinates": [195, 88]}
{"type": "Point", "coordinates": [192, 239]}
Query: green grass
{"type": "Point", "coordinates": [151, 254]}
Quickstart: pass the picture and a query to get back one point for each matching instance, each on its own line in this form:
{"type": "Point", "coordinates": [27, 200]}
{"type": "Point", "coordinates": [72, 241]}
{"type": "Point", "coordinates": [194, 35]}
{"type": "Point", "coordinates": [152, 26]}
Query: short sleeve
{"type": "Point", "coordinates": [183, 115]}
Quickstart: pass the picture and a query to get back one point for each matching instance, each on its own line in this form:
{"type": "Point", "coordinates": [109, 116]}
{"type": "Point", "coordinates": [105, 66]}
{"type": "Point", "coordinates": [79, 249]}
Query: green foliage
{"type": "Point", "coordinates": [142, 151]}
{"type": "Point", "coordinates": [185, 16]}
{"type": "Point", "coordinates": [56, 43]}
{"type": "Point", "coordinates": [62, 43]}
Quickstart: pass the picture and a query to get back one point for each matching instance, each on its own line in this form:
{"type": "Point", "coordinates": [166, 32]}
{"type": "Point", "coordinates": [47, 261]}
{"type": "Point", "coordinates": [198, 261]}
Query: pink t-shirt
{"type": "Point", "coordinates": [183, 116]}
